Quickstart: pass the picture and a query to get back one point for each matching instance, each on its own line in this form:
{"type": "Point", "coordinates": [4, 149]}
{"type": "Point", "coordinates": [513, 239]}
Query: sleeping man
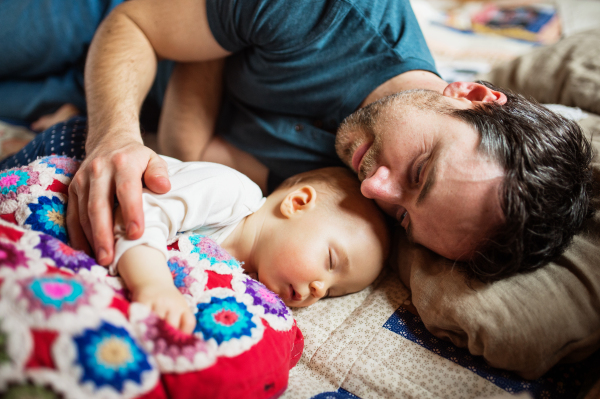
{"type": "Point", "coordinates": [470, 171]}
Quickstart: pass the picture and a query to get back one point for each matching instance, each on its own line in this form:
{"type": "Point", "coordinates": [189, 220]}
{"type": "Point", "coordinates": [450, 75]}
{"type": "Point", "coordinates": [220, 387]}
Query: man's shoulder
{"type": "Point", "coordinates": [285, 25]}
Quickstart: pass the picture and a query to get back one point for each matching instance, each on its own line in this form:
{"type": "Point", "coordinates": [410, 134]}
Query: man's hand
{"type": "Point", "coordinates": [109, 170]}
{"type": "Point", "coordinates": [168, 304]}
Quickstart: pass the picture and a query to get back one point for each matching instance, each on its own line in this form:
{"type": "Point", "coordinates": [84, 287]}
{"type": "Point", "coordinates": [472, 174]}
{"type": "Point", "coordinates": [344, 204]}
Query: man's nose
{"type": "Point", "coordinates": [380, 186]}
{"type": "Point", "coordinates": [317, 289]}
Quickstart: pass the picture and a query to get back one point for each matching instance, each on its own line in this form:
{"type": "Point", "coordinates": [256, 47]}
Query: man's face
{"type": "Point", "coordinates": [423, 167]}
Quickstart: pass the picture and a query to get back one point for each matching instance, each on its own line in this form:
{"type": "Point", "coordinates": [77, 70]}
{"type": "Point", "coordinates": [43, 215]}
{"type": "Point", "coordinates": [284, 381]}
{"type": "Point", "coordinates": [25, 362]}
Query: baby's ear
{"type": "Point", "coordinates": [298, 201]}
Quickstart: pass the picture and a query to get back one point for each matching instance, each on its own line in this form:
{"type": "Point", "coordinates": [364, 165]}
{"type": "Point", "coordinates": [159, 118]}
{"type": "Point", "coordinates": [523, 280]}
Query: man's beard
{"type": "Point", "coordinates": [363, 122]}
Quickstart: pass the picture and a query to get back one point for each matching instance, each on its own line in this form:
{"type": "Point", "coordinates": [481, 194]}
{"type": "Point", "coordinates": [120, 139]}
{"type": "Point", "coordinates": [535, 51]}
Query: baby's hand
{"type": "Point", "coordinates": [168, 304]}
{"type": "Point", "coordinates": [145, 272]}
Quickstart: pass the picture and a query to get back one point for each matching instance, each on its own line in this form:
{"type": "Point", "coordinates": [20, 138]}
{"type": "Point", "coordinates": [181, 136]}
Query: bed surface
{"type": "Point", "coordinates": [369, 345]}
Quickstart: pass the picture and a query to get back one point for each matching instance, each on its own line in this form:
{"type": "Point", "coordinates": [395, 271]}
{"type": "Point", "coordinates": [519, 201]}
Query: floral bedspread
{"type": "Point", "coordinates": [68, 330]}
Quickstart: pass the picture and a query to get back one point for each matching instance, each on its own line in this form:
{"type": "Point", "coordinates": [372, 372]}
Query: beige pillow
{"type": "Point", "coordinates": [566, 73]}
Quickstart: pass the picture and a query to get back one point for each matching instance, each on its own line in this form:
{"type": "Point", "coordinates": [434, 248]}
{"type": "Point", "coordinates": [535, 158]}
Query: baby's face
{"type": "Point", "coordinates": [324, 253]}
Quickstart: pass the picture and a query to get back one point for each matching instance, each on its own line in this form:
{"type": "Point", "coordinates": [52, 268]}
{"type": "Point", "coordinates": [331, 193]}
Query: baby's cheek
{"type": "Point", "coordinates": [293, 265]}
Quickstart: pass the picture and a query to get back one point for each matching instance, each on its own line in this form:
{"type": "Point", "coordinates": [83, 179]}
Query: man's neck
{"type": "Point", "coordinates": [406, 81]}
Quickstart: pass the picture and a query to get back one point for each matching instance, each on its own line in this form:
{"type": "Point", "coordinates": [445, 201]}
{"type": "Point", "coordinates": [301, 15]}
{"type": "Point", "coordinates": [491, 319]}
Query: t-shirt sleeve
{"type": "Point", "coordinates": [237, 24]}
{"type": "Point", "coordinates": [202, 195]}
{"type": "Point", "coordinates": [315, 58]}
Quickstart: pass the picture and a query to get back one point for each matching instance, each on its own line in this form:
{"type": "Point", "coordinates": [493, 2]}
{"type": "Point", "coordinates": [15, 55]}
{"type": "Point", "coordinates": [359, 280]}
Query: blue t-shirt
{"type": "Point", "coordinates": [299, 67]}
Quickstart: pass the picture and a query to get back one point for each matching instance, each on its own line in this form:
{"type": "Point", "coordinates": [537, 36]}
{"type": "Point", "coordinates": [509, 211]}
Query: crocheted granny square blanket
{"type": "Point", "coordinates": [67, 329]}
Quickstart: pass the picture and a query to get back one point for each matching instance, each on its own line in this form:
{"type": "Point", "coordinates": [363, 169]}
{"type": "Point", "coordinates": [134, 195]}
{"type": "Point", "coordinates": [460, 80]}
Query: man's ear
{"type": "Point", "coordinates": [474, 92]}
{"type": "Point", "coordinates": [302, 199]}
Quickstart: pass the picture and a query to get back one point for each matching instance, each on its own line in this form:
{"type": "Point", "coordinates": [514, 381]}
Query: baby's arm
{"type": "Point", "coordinates": [149, 279]}
{"type": "Point", "coordinates": [202, 195]}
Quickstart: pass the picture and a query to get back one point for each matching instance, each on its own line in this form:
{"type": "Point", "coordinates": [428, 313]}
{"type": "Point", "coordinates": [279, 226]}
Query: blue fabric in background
{"type": "Point", "coordinates": [43, 46]}
{"type": "Point", "coordinates": [562, 381]}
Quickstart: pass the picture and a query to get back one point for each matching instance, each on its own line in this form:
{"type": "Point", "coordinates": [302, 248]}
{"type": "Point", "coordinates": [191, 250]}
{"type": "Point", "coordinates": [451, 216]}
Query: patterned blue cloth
{"type": "Point", "coordinates": [339, 394]}
{"type": "Point", "coordinates": [66, 138]}
{"type": "Point", "coordinates": [98, 363]}
{"type": "Point", "coordinates": [223, 319]}
{"type": "Point", "coordinates": [562, 381]}
{"type": "Point", "coordinates": [47, 216]}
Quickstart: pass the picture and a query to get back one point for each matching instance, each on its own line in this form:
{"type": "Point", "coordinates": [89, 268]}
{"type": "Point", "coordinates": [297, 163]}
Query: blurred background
{"type": "Point", "coordinates": [468, 37]}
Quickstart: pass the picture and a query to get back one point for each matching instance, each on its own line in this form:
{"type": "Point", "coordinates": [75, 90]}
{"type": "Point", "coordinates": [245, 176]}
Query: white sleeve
{"type": "Point", "coordinates": [202, 195]}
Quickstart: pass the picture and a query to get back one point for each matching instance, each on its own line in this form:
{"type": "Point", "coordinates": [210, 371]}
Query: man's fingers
{"type": "Point", "coordinates": [78, 190]}
{"type": "Point", "coordinates": [129, 194]}
{"type": "Point", "coordinates": [99, 209]}
{"type": "Point", "coordinates": [156, 176]}
{"type": "Point", "coordinates": [76, 234]}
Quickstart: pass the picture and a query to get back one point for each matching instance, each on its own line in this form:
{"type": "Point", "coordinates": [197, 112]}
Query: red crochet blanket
{"type": "Point", "coordinates": [67, 329]}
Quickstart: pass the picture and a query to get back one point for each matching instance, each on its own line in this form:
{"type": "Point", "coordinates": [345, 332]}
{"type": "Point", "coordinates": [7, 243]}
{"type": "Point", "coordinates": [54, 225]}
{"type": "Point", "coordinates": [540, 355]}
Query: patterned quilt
{"type": "Point", "coordinates": [67, 329]}
{"type": "Point", "coordinates": [370, 345]}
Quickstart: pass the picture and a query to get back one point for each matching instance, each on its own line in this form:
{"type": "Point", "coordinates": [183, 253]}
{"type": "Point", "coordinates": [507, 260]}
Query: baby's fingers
{"type": "Point", "coordinates": [188, 322]}
{"type": "Point", "coordinates": [158, 309]}
{"type": "Point", "coordinates": [174, 317]}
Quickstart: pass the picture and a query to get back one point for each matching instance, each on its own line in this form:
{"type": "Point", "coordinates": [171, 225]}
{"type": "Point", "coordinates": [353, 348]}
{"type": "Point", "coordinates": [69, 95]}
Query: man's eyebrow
{"type": "Point", "coordinates": [429, 182]}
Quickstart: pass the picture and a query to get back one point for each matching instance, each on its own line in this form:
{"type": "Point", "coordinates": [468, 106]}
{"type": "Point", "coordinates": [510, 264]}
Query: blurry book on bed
{"type": "Point", "coordinates": [534, 23]}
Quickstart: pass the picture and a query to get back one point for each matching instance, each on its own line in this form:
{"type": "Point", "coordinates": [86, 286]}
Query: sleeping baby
{"type": "Point", "coordinates": [314, 237]}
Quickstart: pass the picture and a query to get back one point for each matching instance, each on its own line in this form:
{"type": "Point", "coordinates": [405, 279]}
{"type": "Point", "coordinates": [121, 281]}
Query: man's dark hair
{"type": "Point", "coordinates": [546, 192]}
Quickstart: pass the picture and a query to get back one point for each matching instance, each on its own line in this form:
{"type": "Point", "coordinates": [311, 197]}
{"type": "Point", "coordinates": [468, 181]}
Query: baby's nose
{"type": "Point", "coordinates": [317, 289]}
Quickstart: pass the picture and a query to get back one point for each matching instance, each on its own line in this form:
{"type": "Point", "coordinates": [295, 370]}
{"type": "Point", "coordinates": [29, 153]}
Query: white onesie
{"type": "Point", "coordinates": [205, 198]}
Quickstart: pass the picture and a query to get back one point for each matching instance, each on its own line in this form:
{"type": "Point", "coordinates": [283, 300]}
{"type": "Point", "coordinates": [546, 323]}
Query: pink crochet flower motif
{"type": "Point", "coordinates": [62, 164]}
{"type": "Point", "coordinates": [180, 271]}
{"type": "Point", "coordinates": [170, 342]}
{"type": "Point", "coordinates": [54, 294]}
{"type": "Point", "coordinates": [17, 181]}
{"type": "Point", "coordinates": [206, 248]}
{"type": "Point", "coordinates": [11, 257]}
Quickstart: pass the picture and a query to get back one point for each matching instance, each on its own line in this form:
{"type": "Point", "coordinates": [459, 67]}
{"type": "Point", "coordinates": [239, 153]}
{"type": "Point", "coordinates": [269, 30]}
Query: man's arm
{"type": "Point", "coordinates": [188, 119]}
{"type": "Point", "coordinates": [120, 68]}
{"type": "Point", "coordinates": [220, 151]}
{"type": "Point", "coordinates": [190, 110]}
